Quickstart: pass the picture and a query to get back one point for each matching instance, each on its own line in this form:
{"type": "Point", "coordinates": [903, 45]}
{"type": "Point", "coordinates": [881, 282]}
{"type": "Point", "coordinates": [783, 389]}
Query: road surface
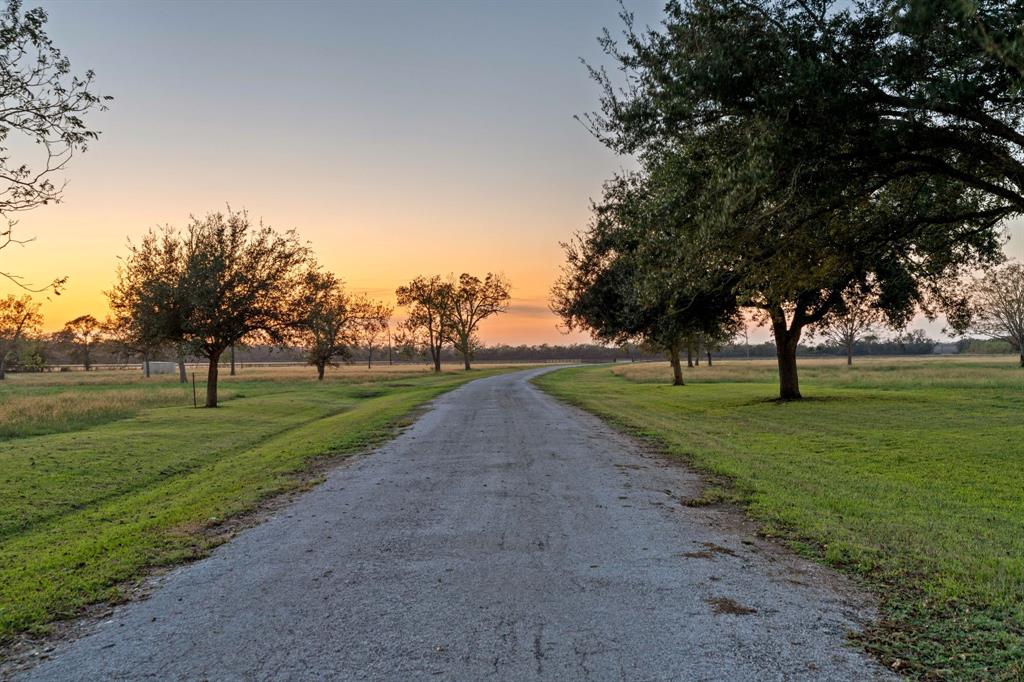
{"type": "Point", "coordinates": [503, 536]}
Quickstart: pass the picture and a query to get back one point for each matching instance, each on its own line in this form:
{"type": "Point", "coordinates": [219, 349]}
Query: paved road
{"type": "Point", "coordinates": [504, 536]}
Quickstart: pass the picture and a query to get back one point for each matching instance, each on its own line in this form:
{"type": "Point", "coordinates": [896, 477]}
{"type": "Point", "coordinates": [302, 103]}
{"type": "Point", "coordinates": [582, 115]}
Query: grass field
{"type": "Point", "coordinates": [906, 473]}
{"type": "Point", "coordinates": [105, 475]}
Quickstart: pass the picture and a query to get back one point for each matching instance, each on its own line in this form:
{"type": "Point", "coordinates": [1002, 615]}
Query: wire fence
{"type": "Point", "coordinates": [137, 366]}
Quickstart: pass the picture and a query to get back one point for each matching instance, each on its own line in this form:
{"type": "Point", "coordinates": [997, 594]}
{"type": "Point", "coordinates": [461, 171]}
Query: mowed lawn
{"type": "Point", "coordinates": [907, 473]}
{"type": "Point", "coordinates": [105, 475]}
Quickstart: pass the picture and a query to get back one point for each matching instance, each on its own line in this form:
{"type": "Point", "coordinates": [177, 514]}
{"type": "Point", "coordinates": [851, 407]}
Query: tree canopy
{"type": "Point", "coordinates": [474, 300]}
{"type": "Point", "coordinates": [221, 281]}
{"type": "Point", "coordinates": [332, 321]}
{"type": "Point", "coordinates": [430, 301]}
{"type": "Point", "coordinates": [626, 279]}
{"type": "Point", "coordinates": [19, 318]}
{"type": "Point", "coordinates": [82, 334]}
{"type": "Point", "coordinates": [998, 310]}
{"type": "Point", "coordinates": [841, 149]}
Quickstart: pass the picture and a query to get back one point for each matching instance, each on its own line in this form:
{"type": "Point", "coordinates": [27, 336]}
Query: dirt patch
{"type": "Point", "coordinates": [726, 606]}
{"type": "Point", "coordinates": [709, 552]}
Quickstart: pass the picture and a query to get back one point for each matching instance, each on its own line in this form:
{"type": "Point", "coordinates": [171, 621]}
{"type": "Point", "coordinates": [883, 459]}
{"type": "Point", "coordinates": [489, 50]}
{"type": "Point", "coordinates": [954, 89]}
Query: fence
{"type": "Point", "coordinates": [197, 366]}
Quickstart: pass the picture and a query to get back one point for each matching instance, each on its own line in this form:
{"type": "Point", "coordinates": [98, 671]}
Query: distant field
{"type": "Point", "coordinates": [907, 473]}
{"type": "Point", "coordinates": [105, 474]}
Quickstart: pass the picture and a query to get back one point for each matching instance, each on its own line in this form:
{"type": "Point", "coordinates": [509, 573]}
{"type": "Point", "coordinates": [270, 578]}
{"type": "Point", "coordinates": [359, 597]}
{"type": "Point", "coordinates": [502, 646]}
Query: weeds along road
{"type": "Point", "coordinates": [503, 536]}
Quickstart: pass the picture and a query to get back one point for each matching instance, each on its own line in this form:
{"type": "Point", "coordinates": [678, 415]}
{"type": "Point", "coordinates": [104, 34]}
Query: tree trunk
{"type": "Point", "coordinates": [182, 374]}
{"type": "Point", "coordinates": [677, 366]}
{"type": "Point", "coordinates": [709, 358]}
{"type": "Point", "coordinates": [369, 357]}
{"type": "Point", "coordinates": [320, 366]}
{"type": "Point", "coordinates": [145, 364]}
{"type": "Point", "coordinates": [435, 354]}
{"type": "Point", "coordinates": [232, 359]}
{"type": "Point", "coordinates": [211, 381]}
{"type": "Point", "coordinates": [786, 342]}
{"type": "Point", "coordinates": [3, 366]}
{"type": "Point", "coordinates": [849, 354]}
{"type": "Point", "coordinates": [465, 360]}
{"type": "Point", "coordinates": [85, 358]}
{"type": "Point", "coordinates": [1021, 360]}
{"type": "Point", "coordinates": [689, 356]}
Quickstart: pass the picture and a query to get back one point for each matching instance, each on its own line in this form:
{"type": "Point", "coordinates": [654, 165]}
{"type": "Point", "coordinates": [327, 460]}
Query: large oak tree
{"type": "Point", "coordinates": [221, 281]}
{"type": "Point", "coordinates": [623, 282]}
{"type": "Point", "coordinates": [833, 155]}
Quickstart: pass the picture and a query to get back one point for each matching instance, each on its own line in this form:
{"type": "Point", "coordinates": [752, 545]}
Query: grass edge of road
{"type": "Point", "coordinates": [98, 556]}
{"type": "Point", "coordinates": [914, 635]}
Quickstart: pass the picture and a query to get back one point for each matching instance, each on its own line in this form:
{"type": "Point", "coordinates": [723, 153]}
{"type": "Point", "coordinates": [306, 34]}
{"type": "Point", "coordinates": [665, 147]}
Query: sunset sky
{"type": "Point", "coordinates": [399, 138]}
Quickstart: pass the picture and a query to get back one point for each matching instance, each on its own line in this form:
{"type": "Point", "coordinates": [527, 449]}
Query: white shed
{"type": "Point", "coordinates": [161, 367]}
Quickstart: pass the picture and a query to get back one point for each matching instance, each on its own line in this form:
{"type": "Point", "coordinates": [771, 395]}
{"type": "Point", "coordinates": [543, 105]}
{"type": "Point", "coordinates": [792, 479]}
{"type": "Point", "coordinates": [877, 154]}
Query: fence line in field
{"type": "Point", "coordinates": [137, 366]}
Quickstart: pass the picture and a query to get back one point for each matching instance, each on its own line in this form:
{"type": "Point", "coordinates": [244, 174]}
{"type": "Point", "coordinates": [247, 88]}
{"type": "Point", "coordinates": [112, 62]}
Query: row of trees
{"type": "Point", "coordinates": [224, 281]}
{"type": "Point", "coordinates": [21, 334]}
{"type": "Point", "coordinates": [833, 159]}
{"type": "Point", "coordinates": [447, 311]}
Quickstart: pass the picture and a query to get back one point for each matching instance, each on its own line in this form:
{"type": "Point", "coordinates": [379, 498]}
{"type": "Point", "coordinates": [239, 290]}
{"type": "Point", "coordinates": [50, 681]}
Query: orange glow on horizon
{"type": "Point", "coordinates": [83, 241]}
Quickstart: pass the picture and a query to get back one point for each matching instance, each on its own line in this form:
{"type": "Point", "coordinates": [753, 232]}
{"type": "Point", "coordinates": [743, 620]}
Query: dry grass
{"type": "Point", "coordinates": [52, 412]}
{"type": "Point", "coordinates": [343, 373]}
{"type": "Point", "coordinates": [37, 404]}
{"type": "Point", "coordinates": [929, 371]}
{"type": "Point", "coordinates": [69, 379]}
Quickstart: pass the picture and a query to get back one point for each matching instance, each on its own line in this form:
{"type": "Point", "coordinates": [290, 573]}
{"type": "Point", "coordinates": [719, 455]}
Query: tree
{"type": "Point", "coordinates": [986, 22]}
{"type": "Point", "coordinates": [219, 282]}
{"type": "Point", "coordinates": [998, 306]}
{"type": "Point", "coordinates": [851, 321]}
{"type": "Point", "coordinates": [622, 282]}
{"type": "Point", "coordinates": [82, 334]}
{"type": "Point", "coordinates": [332, 321]}
{"type": "Point", "coordinates": [19, 318]}
{"type": "Point", "coordinates": [375, 322]}
{"type": "Point", "coordinates": [474, 301]}
{"type": "Point", "coordinates": [144, 303]}
{"type": "Point", "coordinates": [430, 301]}
{"type": "Point", "coordinates": [237, 284]}
{"type": "Point", "coordinates": [950, 104]}
{"type": "Point", "coordinates": [42, 108]}
{"type": "Point", "coordinates": [123, 342]}
{"type": "Point", "coordinates": [823, 170]}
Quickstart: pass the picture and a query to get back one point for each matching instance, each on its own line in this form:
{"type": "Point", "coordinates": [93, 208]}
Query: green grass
{"type": "Point", "coordinates": [102, 498]}
{"type": "Point", "coordinates": [908, 474]}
